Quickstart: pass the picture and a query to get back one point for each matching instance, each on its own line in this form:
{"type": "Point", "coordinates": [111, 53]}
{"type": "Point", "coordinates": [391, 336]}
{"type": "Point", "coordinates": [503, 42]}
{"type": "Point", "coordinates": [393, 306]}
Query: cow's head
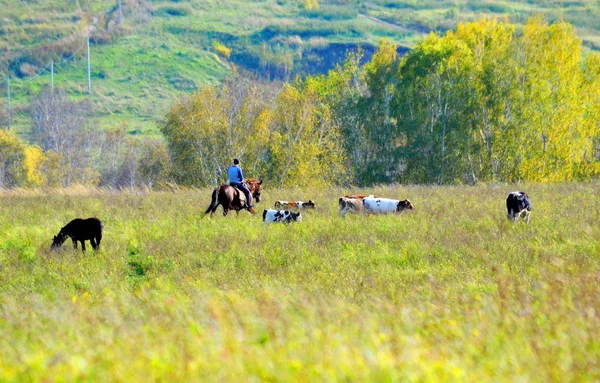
{"type": "Point", "coordinates": [255, 187]}
{"type": "Point", "coordinates": [404, 205]}
{"type": "Point", "coordinates": [294, 217]}
{"type": "Point", "coordinates": [310, 204]}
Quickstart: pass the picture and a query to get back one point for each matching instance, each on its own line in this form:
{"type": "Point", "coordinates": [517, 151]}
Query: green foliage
{"type": "Point", "coordinates": [439, 294]}
{"type": "Point", "coordinates": [12, 155]}
{"type": "Point", "coordinates": [176, 11]}
{"type": "Point", "coordinates": [330, 13]}
{"type": "Point", "coordinates": [484, 104]}
{"type": "Point", "coordinates": [168, 44]}
{"type": "Point", "coordinates": [294, 142]}
{"type": "Point", "coordinates": [154, 164]}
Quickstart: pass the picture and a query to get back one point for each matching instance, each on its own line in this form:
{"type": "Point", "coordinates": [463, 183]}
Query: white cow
{"type": "Point", "coordinates": [385, 205]}
{"type": "Point", "coordinates": [271, 215]}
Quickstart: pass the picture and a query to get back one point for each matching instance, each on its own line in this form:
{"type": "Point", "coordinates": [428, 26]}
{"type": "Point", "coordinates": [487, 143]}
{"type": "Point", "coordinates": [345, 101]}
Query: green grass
{"type": "Point", "coordinates": [166, 49]}
{"type": "Point", "coordinates": [451, 291]}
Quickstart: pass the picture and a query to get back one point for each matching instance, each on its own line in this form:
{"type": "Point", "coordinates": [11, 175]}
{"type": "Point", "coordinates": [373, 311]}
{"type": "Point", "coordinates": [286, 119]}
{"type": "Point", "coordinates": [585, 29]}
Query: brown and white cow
{"type": "Point", "coordinates": [294, 205]}
{"type": "Point", "coordinates": [350, 205]}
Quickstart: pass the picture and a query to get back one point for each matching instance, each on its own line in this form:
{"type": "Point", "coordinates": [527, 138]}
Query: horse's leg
{"type": "Point", "coordinates": [93, 243]}
{"type": "Point", "coordinates": [82, 245]}
{"type": "Point", "coordinates": [98, 239]}
{"type": "Point", "coordinates": [214, 209]}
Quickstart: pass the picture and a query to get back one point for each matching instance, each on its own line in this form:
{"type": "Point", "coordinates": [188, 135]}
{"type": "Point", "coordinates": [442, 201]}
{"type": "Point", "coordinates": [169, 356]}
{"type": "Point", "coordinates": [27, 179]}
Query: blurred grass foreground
{"type": "Point", "coordinates": [451, 291]}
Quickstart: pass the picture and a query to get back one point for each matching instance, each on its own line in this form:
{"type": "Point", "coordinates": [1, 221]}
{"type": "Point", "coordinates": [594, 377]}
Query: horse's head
{"type": "Point", "coordinates": [255, 187]}
{"type": "Point", "coordinates": [58, 240]}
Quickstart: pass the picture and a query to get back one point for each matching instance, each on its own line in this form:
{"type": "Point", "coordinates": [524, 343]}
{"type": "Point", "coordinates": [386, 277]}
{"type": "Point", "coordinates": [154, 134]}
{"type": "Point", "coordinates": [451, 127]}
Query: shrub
{"type": "Point", "coordinates": [12, 155]}
{"type": "Point", "coordinates": [173, 11]}
{"type": "Point", "coordinates": [221, 49]}
{"type": "Point", "coordinates": [331, 13]}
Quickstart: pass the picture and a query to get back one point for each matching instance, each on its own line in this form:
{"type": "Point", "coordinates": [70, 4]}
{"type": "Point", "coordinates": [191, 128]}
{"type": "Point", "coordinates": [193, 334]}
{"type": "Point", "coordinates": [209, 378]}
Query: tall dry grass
{"type": "Point", "coordinates": [449, 292]}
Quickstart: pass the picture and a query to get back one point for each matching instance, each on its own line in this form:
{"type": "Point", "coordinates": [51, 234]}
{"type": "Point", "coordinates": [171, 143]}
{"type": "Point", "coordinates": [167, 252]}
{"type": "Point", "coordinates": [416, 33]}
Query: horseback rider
{"type": "Point", "coordinates": [236, 179]}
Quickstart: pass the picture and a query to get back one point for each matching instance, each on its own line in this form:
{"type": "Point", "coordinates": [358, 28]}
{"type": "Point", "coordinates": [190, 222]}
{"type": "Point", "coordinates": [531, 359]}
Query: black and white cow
{"type": "Point", "coordinates": [518, 205]}
{"type": "Point", "coordinates": [271, 215]}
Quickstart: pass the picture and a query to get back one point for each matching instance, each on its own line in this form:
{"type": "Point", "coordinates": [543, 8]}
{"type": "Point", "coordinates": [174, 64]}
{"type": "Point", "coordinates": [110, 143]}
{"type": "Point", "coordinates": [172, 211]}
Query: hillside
{"type": "Point", "coordinates": [167, 48]}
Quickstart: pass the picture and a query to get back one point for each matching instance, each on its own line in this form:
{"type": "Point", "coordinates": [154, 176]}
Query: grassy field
{"type": "Point", "coordinates": [166, 48]}
{"type": "Point", "coordinates": [451, 291]}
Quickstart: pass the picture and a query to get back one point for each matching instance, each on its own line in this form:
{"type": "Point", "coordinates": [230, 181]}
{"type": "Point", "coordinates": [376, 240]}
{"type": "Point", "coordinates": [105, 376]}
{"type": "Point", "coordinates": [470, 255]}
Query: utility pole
{"type": "Point", "coordinates": [89, 66]}
{"type": "Point", "coordinates": [120, 14]}
{"type": "Point", "coordinates": [52, 77]}
{"type": "Point", "coordinates": [8, 98]}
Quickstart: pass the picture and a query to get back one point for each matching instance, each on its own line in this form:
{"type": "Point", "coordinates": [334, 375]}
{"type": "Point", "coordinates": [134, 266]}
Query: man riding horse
{"type": "Point", "coordinates": [236, 179]}
{"type": "Point", "coordinates": [230, 195]}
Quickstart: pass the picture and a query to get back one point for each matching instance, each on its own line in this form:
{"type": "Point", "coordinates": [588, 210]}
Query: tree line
{"type": "Point", "coordinates": [485, 103]}
{"type": "Point", "coordinates": [67, 149]}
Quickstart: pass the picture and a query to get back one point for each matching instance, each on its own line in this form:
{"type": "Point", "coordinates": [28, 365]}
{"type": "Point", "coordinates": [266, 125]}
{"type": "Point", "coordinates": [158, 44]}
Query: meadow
{"type": "Point", "coordinates": [451, 291]}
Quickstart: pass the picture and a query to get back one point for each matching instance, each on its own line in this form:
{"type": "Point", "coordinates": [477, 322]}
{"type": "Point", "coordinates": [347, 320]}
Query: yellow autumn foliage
{"type": "Point", "coordinates": [33, 165]}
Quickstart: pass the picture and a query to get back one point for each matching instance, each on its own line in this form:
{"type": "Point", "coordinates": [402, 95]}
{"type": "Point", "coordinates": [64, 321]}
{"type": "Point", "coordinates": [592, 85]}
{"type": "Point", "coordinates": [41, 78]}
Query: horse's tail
{"type": "Point", "coordinates": [213, 202]}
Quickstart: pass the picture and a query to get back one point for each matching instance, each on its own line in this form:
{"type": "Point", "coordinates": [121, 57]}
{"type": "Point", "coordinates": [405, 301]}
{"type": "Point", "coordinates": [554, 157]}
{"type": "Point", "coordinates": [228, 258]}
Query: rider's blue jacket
{"type": "Point", "coordinates": [235, 174]}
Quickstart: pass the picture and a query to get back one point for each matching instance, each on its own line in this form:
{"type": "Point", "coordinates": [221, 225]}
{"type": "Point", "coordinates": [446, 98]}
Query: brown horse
{"type": "Point", "coordinates": [233, 199]}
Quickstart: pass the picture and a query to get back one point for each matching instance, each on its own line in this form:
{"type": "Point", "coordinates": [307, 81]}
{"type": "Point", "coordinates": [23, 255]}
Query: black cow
{"type": "Point", "coordinates": [518, 206]}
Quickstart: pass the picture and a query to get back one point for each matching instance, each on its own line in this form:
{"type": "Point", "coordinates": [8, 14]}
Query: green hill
{"type": "Point", "coordinates": [164, 49]}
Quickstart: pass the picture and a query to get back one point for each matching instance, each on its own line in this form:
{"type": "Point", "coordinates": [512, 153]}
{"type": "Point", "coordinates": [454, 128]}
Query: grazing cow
{"type": "Point", "coordinates": [270, 215]}
{"type": "Point", "coordinates": [80, 230]}
{"type": "Point", "coordinates": [518, 204]}
{"type": "Point", "coordinates": [385, 205]}
{"type": "Point", "coordinates": [350, 205]}
{"type": "Point", "coordinates": [294, 205]}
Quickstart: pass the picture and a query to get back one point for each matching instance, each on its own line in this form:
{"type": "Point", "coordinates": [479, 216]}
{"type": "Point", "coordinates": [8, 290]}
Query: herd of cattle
{"type": "Point", "coordinates": [518, 205]}
{"type": "Point", "coordinates": [348, 204]}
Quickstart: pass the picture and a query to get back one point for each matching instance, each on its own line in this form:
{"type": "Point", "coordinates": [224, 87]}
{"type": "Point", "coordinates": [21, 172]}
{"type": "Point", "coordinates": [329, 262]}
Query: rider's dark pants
{"type": "Point", "coordinates": [243, 188]}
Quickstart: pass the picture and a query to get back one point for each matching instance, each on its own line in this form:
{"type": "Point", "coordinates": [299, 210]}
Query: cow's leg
{"type": "Point", "coordinates": [82, 245]}
{"type": "Point", "coordinates": [74, 243]}
{"type": "Point", "coordinates": [527, 214]}
{"type": "Point", "coordinates": [93, 243]}
{"type": "Point", "coordinates": [98, 239]}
